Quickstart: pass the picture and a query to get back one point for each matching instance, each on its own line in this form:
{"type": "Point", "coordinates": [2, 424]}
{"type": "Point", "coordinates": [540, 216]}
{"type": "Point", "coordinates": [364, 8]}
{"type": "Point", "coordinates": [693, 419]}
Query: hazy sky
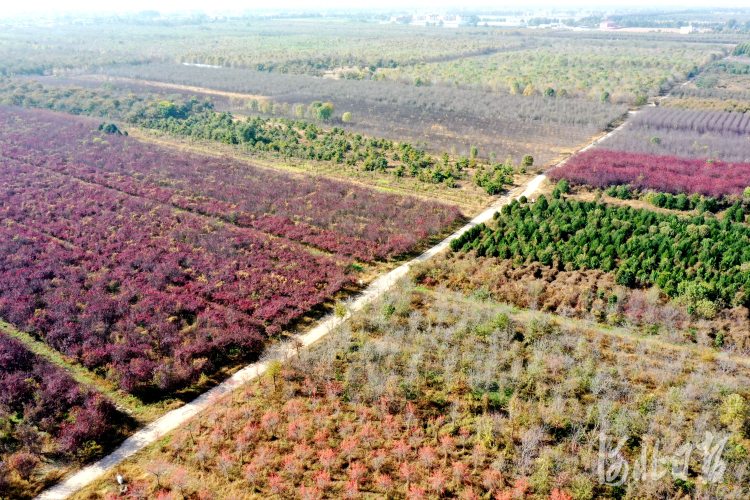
{"type": "Point", "coordinates": [172, 5]}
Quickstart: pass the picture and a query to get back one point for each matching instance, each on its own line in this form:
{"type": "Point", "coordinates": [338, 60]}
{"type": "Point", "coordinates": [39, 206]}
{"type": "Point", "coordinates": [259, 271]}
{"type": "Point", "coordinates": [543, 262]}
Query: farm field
{"type": "Point", "coordinates": [434, 393]}
{"type": "Point", "coordinates": [601, 168]}
{"type": "Point", "coordinates": [697, 155]}
{"type": "Point", "coordinates": [299, 46]}
{"type": "Point", "coordinates": [172, 285]}
{"type": "Point", "coordinates": [329, 215]}
{"type": "Point", "coordinates": [686, 133]}
{"type": "Point", "coordinates": [695, 264]}
{"type": "Point", "coordinates": [185, 122]}
{"type": "Point", "coordinates": [125, 258]}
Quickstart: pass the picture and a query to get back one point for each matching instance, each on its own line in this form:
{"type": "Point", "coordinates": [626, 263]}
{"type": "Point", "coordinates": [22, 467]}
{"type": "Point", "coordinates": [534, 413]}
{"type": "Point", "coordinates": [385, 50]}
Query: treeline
{"type": "Point", "coordinates": [100, 103]}
{"type": "Point", "coordinates": [741, 49]}
{"type": "Point", "coordinates": [363, 66]}
{"type": "Point", "coordinates": [32, 58]}
{"type": "Point", "coordinates": [680, 201]}
{"type": "Point", "coordinates": [738, 205]}
{"type": "Point", "coordinates": [277, 135]}
{"type": "Point", "coordinates": [710, 93]}
{"type": "Point", "coordinates": [304, 140]}
{"type": "Point", "coordinates": [697, 260]}
{"type": "Point", "coordinates": [717, 38]}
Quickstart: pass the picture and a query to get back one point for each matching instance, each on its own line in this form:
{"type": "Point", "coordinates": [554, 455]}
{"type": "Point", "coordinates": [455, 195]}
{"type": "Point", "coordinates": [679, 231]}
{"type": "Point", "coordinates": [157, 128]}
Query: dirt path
{"type": "Point", "coordinates": [174, 86]}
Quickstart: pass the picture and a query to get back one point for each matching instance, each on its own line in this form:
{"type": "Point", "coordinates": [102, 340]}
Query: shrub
{"type": "Point", "coordinates": [733, 412]}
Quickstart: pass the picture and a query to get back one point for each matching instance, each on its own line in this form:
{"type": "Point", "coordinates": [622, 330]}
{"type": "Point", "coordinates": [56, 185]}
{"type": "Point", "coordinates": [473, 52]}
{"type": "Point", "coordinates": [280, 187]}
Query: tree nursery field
{"type": "Point", "coordinates": [433, 393]}
{"type": "Point", "coordinates": [58, 420]}
{"type": "Point", "coordinates": [229, 262]}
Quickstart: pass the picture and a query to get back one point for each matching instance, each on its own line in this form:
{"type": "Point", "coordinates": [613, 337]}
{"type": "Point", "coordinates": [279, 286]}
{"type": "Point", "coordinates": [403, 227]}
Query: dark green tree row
{"type": "Point", "coordinates": [696, 257]}
{"type": "Point", "coordinates": [98, 103]}
{"type": "Point", "coordinates": [741, 49]}
{"type": "Point", "coordinates": [307, 141]}
{"type": "Point", "coordinates": [290, 138]}
{"type": "Point", "coordinates": [674, 202]}
{"type": "Point", "coordinates": [737, 206]}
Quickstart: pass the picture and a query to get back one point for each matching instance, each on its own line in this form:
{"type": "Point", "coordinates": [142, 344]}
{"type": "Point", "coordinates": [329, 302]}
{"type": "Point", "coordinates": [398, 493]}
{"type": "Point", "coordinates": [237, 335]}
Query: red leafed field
{"type": "Point", "coordinates": [50, 406]}
{"type": "Point", "coordinates": [112, 270]}
{"type": "Point", "coordinates": [331, 215]}
{"type": "Point", "coordinates": [666, 174]}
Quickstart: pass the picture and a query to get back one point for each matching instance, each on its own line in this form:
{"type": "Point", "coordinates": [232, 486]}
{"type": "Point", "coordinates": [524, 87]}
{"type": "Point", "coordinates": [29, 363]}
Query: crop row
{"type": "Point", "coordinates": [125, 283]}
{"type": "Point", "coordinates": [659, 118]}
{"type": "Point", "coordinates": [690, 134]}
{"type": "Point", "coordinates": [697, 259]}
{"type": "Point", "coordinates": [664, 174]}
{"type": "Point", "coordinates": [331, 215]}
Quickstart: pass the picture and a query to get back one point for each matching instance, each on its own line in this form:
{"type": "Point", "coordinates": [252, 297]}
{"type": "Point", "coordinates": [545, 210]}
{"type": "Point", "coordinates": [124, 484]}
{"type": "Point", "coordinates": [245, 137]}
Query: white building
{"type": "Point", "coordinates": [686, 30]}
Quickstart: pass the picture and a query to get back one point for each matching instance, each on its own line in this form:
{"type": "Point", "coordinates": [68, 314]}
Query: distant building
{"type": "Point", "coordinates": [686, 30]}
{"type": "Point", "coordinates": [401, 19]}
{"type": "Point", "coordinates": [455, 21]}
{"type": "Point", "coordinates": [608, 25]}
{"type": "Point", "coordinates": [505, 24]}
{"type": "Point", "coordinates": [447, 21]}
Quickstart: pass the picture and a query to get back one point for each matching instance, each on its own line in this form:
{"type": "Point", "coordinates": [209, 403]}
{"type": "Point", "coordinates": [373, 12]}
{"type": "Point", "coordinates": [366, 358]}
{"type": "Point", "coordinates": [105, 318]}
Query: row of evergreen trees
{"type": "Point", "coordinates": [698, 258]}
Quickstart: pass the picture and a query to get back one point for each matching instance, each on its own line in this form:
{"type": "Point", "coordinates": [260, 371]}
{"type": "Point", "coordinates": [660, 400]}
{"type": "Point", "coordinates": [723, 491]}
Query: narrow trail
{"type": "Point", "coordinates": [170, 421]}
